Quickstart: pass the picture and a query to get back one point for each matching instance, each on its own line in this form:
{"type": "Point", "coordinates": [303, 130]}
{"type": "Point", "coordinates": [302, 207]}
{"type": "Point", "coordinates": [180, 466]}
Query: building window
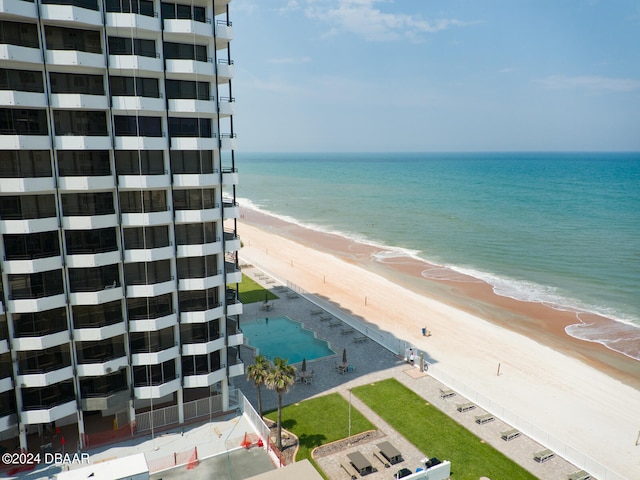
{"type": "Point", "coordinates": [185, 51]}
{"type": "Point", "coordinates": [140, 162]}
{"type": "Point", "coordinates": [201, 364]}
{"type": "Point", "coordinates": [83, 163]}
{"type": "Point", "coordinates": [191, 161]}
{"type": "Point", "coordinates": [147, 342]}
{"type": "Point", "coordinates": [190, 127]}
{"type": "Point", "coordinates": [196, 233]}
{"type": "Point", "coordinates": [187, 12]}
{"type": "Point", "coordinates": [20, 34]}
{"type": "Point", "coordinates": [25, 163]}
{"type": "Point", "coordinates": [19, 121]}
{"type": "Point", "coordinates": [198, 300]}
{"type": "Point", "coordinates": [145, 201]}
{"type": "Point", "coordinates": [88, 4]}
{"type": "Point", "coordinates": [199, 332]}
{"type": "Point", "coordinates": [101, 351]}
{"type": "Point", "coordinates": [21, 80]}
{"type": "Point", "coordinates": [59, 38]}
{"type": "Point", "coordinates": [87, 204]}
{"type": "Point", "coordinates": [95, 387]}
{"type": "Point", "coordinates": [30, 246]}
{"type": "Point", "coordinates": [147, 273]}
{"type": "Point", "coordinates": [7, 399]}
{"type": "Point", "coordinates": [40, 323]}
{"type": "Point", "coordinates": [35, 285]}
{"type": "Point", "coordinates": [146, 237]}
{"type": "Point", "coordinates": [194, 199]}
{"type": "Point", "coordinates": [135, 46]}
{"type": "Point", "coordinates": [143, 7]}
{"type": "Point", "coordinates": [35, 361]}
{"type": "Point", "coordinates": [40, 398]}
{"type": "Point", "coordinates": [94, 279]}
{"type": "Point", "coordinates": [198, 267]}
{"type": "Point", "coordinates": [188, 89]}
{"type": "Point", "coordinates": [142, 308]}
{"type": "Point", "coordinates": [77, 122]}
{"type": "Point", "coordinates": [77, 83]}
{"type": "Point", "coordinates": [134, 87]}
{"type": "Point", "coordinates": [134, 126]}
{"type": "Point", "coordinates": [148, 375]}
{"type": "Point", "coordinates": [90, 242]}
{"type": "Point", "coordinates": [95, 316]}
{"type": "Point", "coordinates": [25, 207]}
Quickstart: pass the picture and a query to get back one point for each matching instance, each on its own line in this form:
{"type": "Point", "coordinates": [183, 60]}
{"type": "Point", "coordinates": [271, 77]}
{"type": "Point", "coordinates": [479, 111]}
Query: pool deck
{"type": "Point", "coordinates": [372, 363]}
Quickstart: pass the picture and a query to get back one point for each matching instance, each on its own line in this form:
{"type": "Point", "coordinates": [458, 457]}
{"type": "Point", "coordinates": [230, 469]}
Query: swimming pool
{"type": "Point", "coordinates": [285, 338]}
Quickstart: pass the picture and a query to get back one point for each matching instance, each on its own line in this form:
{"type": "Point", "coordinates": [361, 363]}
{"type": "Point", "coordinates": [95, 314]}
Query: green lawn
{"type": "Point", "coordinates": [437, 435]}
{"type": "Point", "coordinates": [319, 421]}
{"type": "Point", "coordinates": [250, 292]}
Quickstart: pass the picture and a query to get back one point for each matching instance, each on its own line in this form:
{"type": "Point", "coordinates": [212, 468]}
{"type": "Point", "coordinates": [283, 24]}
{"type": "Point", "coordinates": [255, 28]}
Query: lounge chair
{"type": "Point", "coordinates": [543, 455]}
{"type": "Point", "coordinates": [509, 435]}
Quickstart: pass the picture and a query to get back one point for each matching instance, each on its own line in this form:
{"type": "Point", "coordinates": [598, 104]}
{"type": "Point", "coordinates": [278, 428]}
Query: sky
{"type": "Point", "coordinates": [436, 75]}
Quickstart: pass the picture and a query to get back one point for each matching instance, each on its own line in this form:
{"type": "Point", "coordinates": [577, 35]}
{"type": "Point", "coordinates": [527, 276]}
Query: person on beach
{"type": "Point", "coordinates": [411, 358]}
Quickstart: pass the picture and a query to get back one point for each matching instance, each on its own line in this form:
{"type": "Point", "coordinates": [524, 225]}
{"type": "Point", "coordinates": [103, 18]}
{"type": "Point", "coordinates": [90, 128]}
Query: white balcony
{"type": "Point", "coordinates": [35, 225]}
{"type": "Point", "coordinates": [45, 379]}
{"type": "Point", "coordinates": [230, 177]}
{"type": "Point", "coordinates": [153, 290]}
{"type": "Point", "coordinates": [32, 417]}
{"type": "Point", "coordinates": [17, 53]}
{"type": "Point", "coordinates": [19, 8]}
{"type": "Point", "coordinates": [109, 401]}
{"type": "Point", "coordinates": [32, 266]}
{"type": "Point", "coordinates": [74, 57]}
{"type": "Point", "coordinates": [204, 380]}
{"type": "Point", "coordinates": [236, 370]}
{"type": "Point", "coordinates": [25, 142]}
{"type": "Point", "coordinates": [187, 105]}
{"type": "Point", "coordinates": [136, 63]}
{"type": "Point", "coordinates": [201, 283]}
{"type": "Point", "coordinates": [96, 298]}
{"type": "Point", "coordinates": [228, 142]}
{"type": "Point", "coordinates": [141, 143]}
{"type": "Point", "coordinates": [234, 308]}
{"type": "Point", "coordinates": [224, 71]}
{"type": "Point", "coordinates": [9, 422]}
{"type": "Point", "coordinates": [203, 348]}
{"type": "Point", "coordinates": [155, 358]}
{"type": "Point", "coordinates": [195, 180]}
{"type": "Point", "coordinates": [199, 250]}
{"type": "Point", "coordinates": [70, 13]}
{"type": "Point", "coordinates": [106, 182]}
{"type": "Point", "coordinates": [137, 104]}
{"type": "Point", "coordinates": [4, 344]}
{"type": "Point", "coordinates": [226, 108]}
{"type": "Point", "coordinates": [22, 99]}
{"type": "Point", "coordinates": [157, 391]}
{"type": "Point", "coordinates": [30, 305]}
{"type": "Point", "coordinates": [6, 384]}
{"type": "Point", "coordinates": [149, 254]}
{"type": "Point", "coordinates": [90, 222]}
{"type": "Point", "coordinates": [231, 243]}
{"type": "Point", "coordinates": [25, 185]}
{"type": "Point", "coordinates": [224, 32]}
{"type": "Point", "coordinates": [146, 219]}
{"type": "Point", "coordinates": [42, 342]}
{"type": "Point", "coordinates": [101, 369]}
{"type": "Point", "coordinates": [237, 338]}
{"type": "Point", "coordinates": [144, 181]}
{"type": "Point", "coordinates": [197, 216]}
{"type": "Point", "coordinates": [234, 276]}
{"type": "Point", "coordinates": [190, 67]}
{"type": "Point", "coordinates": [193, 143]}
{"type": "Point", "coordinates": [132, 20]}
{"type": "Point", "coordinates": [78, 100]}
{"type": "Point", "coordinates": [177, 29]}
{"type": "Point", "coordinates": [93, 259]}
{"type": "Point", "coordinates": [100, 333]}
{"type": "Point", "coordinates": [202, 316]}
{"type": "Point", "coordinates": [231, 211]}
{"type": "Point", "coordinates": [153, 324]}
{"type": "Point", "coordinates": [82, 142]}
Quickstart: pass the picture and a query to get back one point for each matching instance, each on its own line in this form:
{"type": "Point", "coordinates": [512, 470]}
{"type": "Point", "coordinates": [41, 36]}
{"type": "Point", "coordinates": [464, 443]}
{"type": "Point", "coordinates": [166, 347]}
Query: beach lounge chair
{"type": "Point", "coordinates": [465, 407]}
{"type": "Point", "coordinates": [509, 435]}
{"type": "Point", "coordinates": [543, 455]}
{"type": "Point", "coordinates": [359, 339]}
{"type": "Point", "coordinates": [579, 475]}
{"type": "Point", "coordinates": [486, 418]}
{"type": "Point", "coordinates": [316, 312]}
{"type": "Point", "coordinates": [446, 393]}
{"type": "Point", "coordinates": [346, 331]}
{"type": "Point", "coordinates": [335, 323]}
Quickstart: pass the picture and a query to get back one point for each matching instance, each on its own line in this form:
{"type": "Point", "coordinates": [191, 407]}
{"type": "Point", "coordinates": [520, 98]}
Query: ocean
{"type": "Point", "coordinates": [558, 228]}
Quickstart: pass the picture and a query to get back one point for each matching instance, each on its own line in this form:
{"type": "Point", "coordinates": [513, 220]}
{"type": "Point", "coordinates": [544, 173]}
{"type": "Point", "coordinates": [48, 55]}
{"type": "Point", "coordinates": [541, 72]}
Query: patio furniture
{"type": "Point", "coordinates": [360, 463]}
{"type": "Point", "coordinates": [579, 475]}
{"type": "Point", "coordinates": [509, 435]}
{"type": "Point", "coordinates": [486, 418]}
{"type": "Point", "coordinates": [465, 407]}
{"type": "Point", "coordinates": [543, 455]}
{"type": "Point", "coordinates": [447, 393]}
{"type": "Point", "coordinates": [360, 339]}
{"type": "Point", "coordinates": [391, 453]}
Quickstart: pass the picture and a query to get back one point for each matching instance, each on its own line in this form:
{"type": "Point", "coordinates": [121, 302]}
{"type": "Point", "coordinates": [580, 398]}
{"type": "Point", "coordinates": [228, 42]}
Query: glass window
{"type": "Point", "coordinates": [196, 233]}
{"type": "Point", "coordinates": [140, 308]}
{"type": "Point", "coordinates": [100, 240]}
{"type": "Point", "coordinates": [35, 285]}
{"type": "Point", "coordinates": [140, 162]}
{"type": "Point", "coordinates": [86, 204]}
{"type": "Point", "coordinates": [18, 121]}
{"type": "Point", "coordinates": [59, 38]}
{"type": "Point", "coordinates": [143, 7]}
{"type": "Point", "coordinates": [190, 127]}
{"type": "Point", "coordinates": [77, 122]}
{"type": "Point", "coordinates": [40, 323]}
{"type": "Point", "coordinates": [77, 83]}
{"type": "Point", "coordinates": [134, 86]}
{"type": "Point", "coordinates": [187, 89]}
{"type": "Point", "coordinates": [185, 51]}
{"type": "Point", "coordinates": [145, 201]}
{"type": "Point", "coordinates": [194, 199]}
{"type": "Point", "coordinates": [132, 126]}
{"type": "Point", "coordinates": [31, 245]}
{"type": "Point", "coordinates": [198, 300]}
{"type": "Point", "coordinates": [197, 267]}
{"type": "Point", "coordinates": [24, 207]}
{"type": "Point", "coordinates": [20, 34]}
{"type": "Point", "coordinates": [94, 279]}
{"type": "Point", "coordinates": [146, 237]}
{"type": "Point", "coordinates": [81, 163]}
{"type": "Point", "coordinates": [128, 46]}
{"type": "Point", "coordinates": [25, 163]}
{"type": "Point", "coordinates": [21, 80]}
{"type": "Point", "coordinates": [91, 316]}
{"type": "Point", "coordinates": [191, 161]}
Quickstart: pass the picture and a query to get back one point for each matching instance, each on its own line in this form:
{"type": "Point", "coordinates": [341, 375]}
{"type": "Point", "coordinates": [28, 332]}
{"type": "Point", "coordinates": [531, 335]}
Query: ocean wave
{"type": "Point", "coordinates": [620, 337]}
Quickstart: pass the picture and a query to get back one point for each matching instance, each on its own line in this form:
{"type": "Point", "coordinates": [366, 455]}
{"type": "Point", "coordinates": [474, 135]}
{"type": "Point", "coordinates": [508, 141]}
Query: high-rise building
{"type": "Point", "coordinates": [118, 291]}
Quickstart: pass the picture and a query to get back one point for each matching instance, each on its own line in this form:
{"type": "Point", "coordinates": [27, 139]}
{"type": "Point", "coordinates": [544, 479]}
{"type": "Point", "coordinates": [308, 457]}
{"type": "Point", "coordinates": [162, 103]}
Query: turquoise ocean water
{"type": "Point", "coordinates": [558, 228]}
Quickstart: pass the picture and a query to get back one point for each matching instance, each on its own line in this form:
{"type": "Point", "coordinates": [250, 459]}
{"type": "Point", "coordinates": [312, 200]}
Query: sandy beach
{"type": "Point", "coordinates": [579, 392]}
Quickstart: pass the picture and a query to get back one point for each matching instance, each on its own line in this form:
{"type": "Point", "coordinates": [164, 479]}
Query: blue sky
{"type": "Point", "coordinates": [436, 75]}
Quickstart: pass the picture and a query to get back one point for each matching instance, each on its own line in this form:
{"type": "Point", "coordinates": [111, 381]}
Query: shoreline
{"type": "Point", "coordinates": [541, 323]}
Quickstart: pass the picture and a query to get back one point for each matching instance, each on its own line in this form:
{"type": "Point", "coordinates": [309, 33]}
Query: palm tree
{"type": "Point", "coordinates": [258, 373]}
{"type": "Point", "coordinates": [280, 378]}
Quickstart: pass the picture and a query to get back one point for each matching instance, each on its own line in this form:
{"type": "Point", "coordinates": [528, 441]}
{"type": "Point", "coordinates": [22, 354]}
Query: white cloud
{"type": "Point", "coordinates": [363, 18]}
{"type": "Point", "coordinates": [558, 82]}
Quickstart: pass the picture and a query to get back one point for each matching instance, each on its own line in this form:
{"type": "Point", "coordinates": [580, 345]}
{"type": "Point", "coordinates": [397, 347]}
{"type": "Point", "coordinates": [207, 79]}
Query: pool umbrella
{"type": "Point", "coordinates": [344, 356]}
{"type": "Point", "coordinates": [303, 368]}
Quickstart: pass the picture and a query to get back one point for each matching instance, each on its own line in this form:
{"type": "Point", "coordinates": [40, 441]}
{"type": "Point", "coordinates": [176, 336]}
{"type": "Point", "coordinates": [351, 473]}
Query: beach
{"type": "Point", "coordinates": [515, 353]}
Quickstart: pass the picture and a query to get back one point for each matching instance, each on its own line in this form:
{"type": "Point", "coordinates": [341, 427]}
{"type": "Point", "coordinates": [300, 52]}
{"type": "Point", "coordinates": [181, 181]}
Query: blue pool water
{"type": "Point", "coordinates": [285, 338]}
